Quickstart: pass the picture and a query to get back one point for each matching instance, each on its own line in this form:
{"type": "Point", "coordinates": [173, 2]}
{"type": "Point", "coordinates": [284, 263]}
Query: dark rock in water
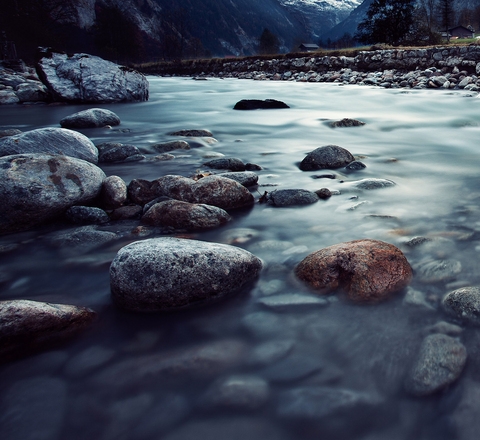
{"type": "Point", "coordinates": [171, 146]}
{"type": "Point", "coordinates": [231, 428]}
{"type": "Point", "coordinates": [90, 79]}
{"type": "Point", "coordinates": [34, 409]}
{"type": "Point", "coordinates": [252, 167]}
{"type": "Point", "coordinates": [50, 141]}
{"type": "Point", "coordinates": [323, 403]}
{"type": "Point", "coordinates": [346, 122]}
{"type": "Point", "coordinates": [80, 240]}
{"type": "Point", "coordinates": [87, 215]}
{"type": "Point", "coordinates": [327, 157]}
{"type": "Point", "coordinates": [141, 191]}
{"type": "Point", "coordinates": [323, 193]}
{"type": "Point", "coordinates": [292, 368]}
{"type": "Point", "coordinates": [183, 215]}
{"type": "Point", "coordinates": [109, 152]}
{"type": "Point", "coordinates": [91, 118]}
{"type": "Point", "coordinates": [256, 104]}
{"type": "Point", "coordinates": [169, 410]}
{"type": "Point", "coordinates": [239, 393]}
{"type": "Point", "coordinates": [114, 192]}
{"type": "Point", "coordinates": [245, 178]}
{"type": "Point", "coordinates": [192, 133]}
{"type": "Point", "coordinates": [270, 352]}
{"type": "Point", "coordinates": [129, 212]}
{"type": "Point", "coordinates": [26, 326]}
{"type": "Point", "coordinates": [169, 273]}
{"type": "Point", "coordinates": [9, 132]}
{"type": "Point", "coordinates": [35, 188]}
{"type": "Point", "coordinates": [439, 363]}
{"type": "Point", "coordinates": [211, 190]}
{"type": "Point", "coordinates": [203, 361]}
{"type": "Point", "coordinates": [289, 197]}
{"type": "Point", "coordinates": [367, 270]}
{"type": "Point", "coordinates": [355, 166]}
{"type": "Point", "coordinates": [231, 163]}
{"type": "Point", "coordinates": [324, 176]}
{"type": "Point", "coordinates": [464, 304]}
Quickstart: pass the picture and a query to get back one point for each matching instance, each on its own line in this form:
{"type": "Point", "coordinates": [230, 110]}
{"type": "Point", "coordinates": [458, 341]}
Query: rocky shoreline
{"type": "Point", "coordinates": [449, 67]}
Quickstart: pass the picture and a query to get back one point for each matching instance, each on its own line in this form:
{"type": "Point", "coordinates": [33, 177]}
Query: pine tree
{"type": "Point", "coordinates": [268, 43]}
{"type": "Point", "coordinates": [387, 21]}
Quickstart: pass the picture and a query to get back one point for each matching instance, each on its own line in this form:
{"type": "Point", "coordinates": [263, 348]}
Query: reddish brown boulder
{"type": "Point", "coordinates": [367, 270]}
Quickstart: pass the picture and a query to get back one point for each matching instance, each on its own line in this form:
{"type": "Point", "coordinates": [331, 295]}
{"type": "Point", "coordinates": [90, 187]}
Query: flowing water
{"type": "Point", "coordinates": [424, 141]}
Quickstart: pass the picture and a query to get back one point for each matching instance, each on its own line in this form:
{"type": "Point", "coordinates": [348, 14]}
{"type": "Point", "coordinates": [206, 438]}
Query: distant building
{"type": "Point", "coordinates": [308, 47]}
{"type": "Point", "coordinates": [461, 32]}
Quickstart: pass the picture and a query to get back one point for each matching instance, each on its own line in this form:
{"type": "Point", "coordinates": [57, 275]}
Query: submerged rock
{"type": "Point", "coordinates": [439, 363]}
{"type": "Point", "coordinates": [170, 273]}
{"type": "Point", "coordinates": [26, 326]}
{"type": "Point", "coordinates": [91, 118]}
{"type": "Point", "coordinates": [434, 271]}
{"type": "Point", "coordinates": [327, 157]}
{"type": "Point", "coordinates": [245, 393]}
{"type": "Point", "coordinates": [35, 188]}
{"type": "Point", "coordinates": [464, 304]}
{"type": "Point", "coordinates": [369, 184]}
{"type": "Point", "coordinates": [87, 78]}
{"type": "Point", "coordinates": [257, 104]}
{"type": "Point", "coordinates": [183, 215]}
{"type": "Point", "coordinates": [50, 141]}
{"type": "Point", "coordinates": [367, 270]}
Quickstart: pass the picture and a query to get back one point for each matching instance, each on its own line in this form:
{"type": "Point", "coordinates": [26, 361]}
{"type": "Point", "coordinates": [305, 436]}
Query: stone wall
{"type": "Point", "coordinates": [446, 67]}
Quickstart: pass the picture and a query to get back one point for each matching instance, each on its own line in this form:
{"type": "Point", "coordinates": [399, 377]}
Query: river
{"type": "Point", "coordinates": [423, 140]}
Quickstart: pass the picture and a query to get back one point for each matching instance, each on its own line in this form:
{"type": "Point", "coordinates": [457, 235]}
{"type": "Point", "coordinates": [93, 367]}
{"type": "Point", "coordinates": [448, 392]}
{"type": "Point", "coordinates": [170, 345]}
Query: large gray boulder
{"type": "Point", "coordinates": [50, 141]}
{"type": "Point", "coordinates": [87, 78]}
{"type": "Point", "coordinates": [170, 273]}
{"type": "Point", "coordinates": [26, 326]}
{"type": "Point", "coordinates": [35, 188]}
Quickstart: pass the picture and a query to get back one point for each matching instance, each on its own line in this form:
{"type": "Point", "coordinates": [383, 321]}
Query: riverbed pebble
{"type": "Point", "coordinates": [464, 303]}
{"type": "Point", "coordinates": [367, 270]}
{"type": "Point", "coordinates": [239, 393]}
{"type": "Point", "coordinates": [192, 133]}
{"type": "Point", "coordinates": [226, 163]}
{"type": "Point", "coordinates": [257, 104]}
{"type": "Point", "coordinates": [35, 188]}
{"type": "Point", "coordinates": [91, 118]}
{"type": "Point", "coordinates": [165, 147]}
{"type": "Point", "coordinates": [50, 141]}
{"type": "Point", "coordinates": [327, 157]}
{"type": "Point", "coordinates": [245, 178]}
{"type": "Point", "coordinates": [184, 215]}
{"type": "Point", "coordinates": [170, 273]}
{"type": "Point", "coordinates": [439, 363]}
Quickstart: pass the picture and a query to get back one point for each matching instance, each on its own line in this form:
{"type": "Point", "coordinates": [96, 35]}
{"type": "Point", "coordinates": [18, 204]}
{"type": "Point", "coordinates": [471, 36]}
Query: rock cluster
{"type": "Point", "coordinates": [456, 67]}
{"type": "Point", "coordinates": [21, 86]}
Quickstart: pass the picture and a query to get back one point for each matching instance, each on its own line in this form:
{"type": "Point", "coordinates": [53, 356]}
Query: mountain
{"type": "Point", "coordinates": [152, 29]}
